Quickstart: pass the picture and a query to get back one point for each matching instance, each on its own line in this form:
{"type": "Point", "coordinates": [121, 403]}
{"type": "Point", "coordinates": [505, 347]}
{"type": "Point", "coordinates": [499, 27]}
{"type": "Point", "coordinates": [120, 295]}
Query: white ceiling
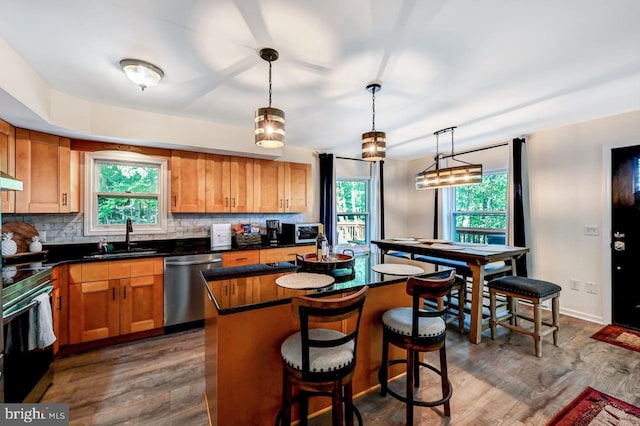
{"type": "Point", "coordinates": [497, 69]}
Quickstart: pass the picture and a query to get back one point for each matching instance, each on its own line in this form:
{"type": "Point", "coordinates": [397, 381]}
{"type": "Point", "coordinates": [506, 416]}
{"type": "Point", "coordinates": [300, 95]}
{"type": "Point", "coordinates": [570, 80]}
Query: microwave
{"type": "Point", "coordinates": [299, 233]}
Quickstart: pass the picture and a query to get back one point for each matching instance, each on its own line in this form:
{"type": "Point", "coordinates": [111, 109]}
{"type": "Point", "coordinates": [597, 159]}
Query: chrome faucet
{"type": "Point", "coordinates": [129, 229]}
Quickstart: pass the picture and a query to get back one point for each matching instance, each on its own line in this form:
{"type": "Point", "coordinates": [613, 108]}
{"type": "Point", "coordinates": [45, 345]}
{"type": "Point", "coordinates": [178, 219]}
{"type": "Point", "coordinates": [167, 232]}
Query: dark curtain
{"type": "Point", "coordinates": [327, 203]}
{"type": "Point", "coordinates": [382, 200]}
{"type": "Point", "coordinates": [518, 206]}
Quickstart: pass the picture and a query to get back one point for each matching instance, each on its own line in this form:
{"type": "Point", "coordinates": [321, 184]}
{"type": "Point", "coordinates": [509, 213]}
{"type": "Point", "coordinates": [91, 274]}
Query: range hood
{"type": "Point", "coordinates": [9, 183]}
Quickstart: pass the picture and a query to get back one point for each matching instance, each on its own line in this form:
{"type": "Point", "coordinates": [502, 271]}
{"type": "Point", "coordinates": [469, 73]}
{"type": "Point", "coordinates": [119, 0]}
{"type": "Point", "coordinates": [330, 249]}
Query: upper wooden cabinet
{"type": "Point", "coordinates": [187, 182]}
{"type": "Point", "coordinates": [43, 164]}
{"type": "Point", "coordinates": [281, 187]}
{"type": "Point", "coordinates": [229, 184]}
{"type": "Point", "coordinates": [8, 162]}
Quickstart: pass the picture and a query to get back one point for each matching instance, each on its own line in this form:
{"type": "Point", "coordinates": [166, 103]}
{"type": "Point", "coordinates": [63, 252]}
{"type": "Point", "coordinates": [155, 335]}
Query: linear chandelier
{"type": "Point", "coordinates": [374, 144]}
{"type": "Point", "coordinates": [269, 122]}
{"type": "Point", "coordinates": [466, 174]}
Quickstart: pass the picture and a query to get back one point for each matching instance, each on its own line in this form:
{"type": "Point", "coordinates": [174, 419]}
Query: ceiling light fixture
{"type": "Point", "coordinates": [467, 174]}
{"type": "Point", "coordinates": [269, 122]}
{"type": "Point", "coordinates": [374, 144]}
{"type": "Point", "coordinates": [142, 73]}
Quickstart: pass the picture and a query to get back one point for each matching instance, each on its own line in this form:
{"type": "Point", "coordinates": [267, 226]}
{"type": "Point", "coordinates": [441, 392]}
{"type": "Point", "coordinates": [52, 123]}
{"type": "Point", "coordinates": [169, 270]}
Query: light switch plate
{"type": "Point", "coordinates": [591, 230]}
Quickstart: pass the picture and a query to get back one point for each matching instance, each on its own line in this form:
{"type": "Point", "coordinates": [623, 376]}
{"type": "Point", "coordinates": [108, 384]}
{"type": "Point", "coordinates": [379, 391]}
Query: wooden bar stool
{"type": "Point", "coordinates": [418, 330]}
{"type": "Point", "coordinates": [321, 361]}
{"type": "Point", "coordinates": [534, 291]}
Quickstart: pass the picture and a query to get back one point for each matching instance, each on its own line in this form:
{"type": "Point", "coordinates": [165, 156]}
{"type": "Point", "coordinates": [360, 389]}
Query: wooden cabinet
{"type": "Point", "coordinates": [187, 182]}
{"type": "Point", "coordinates": [281, 187]}
{"type": "Point", "coordinates": [8, 162]}
{"type": "Point", "coordinates": [240, 258]}
{"type": "Point", "coordinates": [229, 184]}
{"type": "Point", "coordinates": [284, 254]}
{"type": "Point", "coordinates": [113, 298]}
{"type": "Point", "coordinates": [60, 302]}
{"type": "Point", "coordinates": [43, 164]}
{"type": "Point", "coordinates": [234, 292]}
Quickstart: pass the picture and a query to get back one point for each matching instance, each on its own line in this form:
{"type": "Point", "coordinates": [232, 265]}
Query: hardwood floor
{"type": "Point", "coordinates": [160, 381]}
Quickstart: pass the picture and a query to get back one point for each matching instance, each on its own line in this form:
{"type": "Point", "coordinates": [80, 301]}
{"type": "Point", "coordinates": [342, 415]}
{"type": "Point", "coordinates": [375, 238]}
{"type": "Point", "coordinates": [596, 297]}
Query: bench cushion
{"type": "Point", "coordinates": [524, 286]}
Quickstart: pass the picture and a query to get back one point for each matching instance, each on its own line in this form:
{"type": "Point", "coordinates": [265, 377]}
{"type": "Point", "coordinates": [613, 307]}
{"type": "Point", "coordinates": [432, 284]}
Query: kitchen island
{"type": "Point", "coordinates": [248, 316]}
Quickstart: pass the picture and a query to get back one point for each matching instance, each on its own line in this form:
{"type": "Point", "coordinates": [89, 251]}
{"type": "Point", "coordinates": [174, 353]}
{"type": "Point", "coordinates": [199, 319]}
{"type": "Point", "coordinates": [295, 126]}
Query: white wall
{"type": "Point", "coordinates": [569, 177]}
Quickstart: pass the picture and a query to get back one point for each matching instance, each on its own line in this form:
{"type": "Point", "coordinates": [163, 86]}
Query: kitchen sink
{"type": "Point", "coordinates": [121, 254]}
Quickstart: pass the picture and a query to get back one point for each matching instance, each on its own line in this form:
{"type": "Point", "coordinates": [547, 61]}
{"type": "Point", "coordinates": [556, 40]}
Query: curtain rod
{"type": "Point", "coordinates": [354, 159]}
{"type": "Point", "coordinates": [476, 150]}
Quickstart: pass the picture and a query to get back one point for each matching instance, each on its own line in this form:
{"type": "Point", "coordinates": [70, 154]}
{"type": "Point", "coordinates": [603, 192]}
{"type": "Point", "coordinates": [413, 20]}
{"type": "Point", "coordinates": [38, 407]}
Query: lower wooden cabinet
{"type": "Point", "coordinates": [284, 254]}
{"type": "Point", "coordinates": [240, 258]}
{"type": "Point", "coordinates": [108, 299]}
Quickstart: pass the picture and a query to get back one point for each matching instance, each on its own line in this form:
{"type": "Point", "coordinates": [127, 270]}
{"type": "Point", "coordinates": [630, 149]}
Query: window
{"type": "Point", "coordinates": [480, 213]}
{"type": "Point", "coordinates": [352, 206]}
{"type": "Point", "coordinates": [124, 185]}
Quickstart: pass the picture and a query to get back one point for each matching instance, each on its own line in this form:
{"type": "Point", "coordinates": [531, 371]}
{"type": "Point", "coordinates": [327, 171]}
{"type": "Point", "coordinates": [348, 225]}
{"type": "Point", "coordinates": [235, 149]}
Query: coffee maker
{"type": "Point", "coordinates": [273, 232]}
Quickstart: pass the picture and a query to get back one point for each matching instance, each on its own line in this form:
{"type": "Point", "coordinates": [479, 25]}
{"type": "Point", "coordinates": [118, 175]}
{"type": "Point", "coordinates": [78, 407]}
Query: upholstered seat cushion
{"type": "Point", "coordinates": [524, 286]}
{"type": "Point", "coordinates": [320, 359]}
{"type": "Point", "coordinates": [399, 320]}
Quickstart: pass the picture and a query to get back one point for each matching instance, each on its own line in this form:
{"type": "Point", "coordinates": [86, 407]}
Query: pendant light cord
{"type": "Point", "coordinates": [269, 84]}
{"type": "Point", "coordinates": [373, 109]}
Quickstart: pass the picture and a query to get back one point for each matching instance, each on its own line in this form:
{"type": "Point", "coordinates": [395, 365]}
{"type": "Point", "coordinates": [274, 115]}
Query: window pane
{"type": "Point", "coordinates": [122, 178]}
{"type": "Point", "coordinates": [490, 195]}
{"type": "Point", "coordinates": [116, 210]}
{"type": "Point", "coordinates": [480, 215]}
{"type": "Point", "coordinates": [351, 196]}
{"type": "Point", "coordinates": [352, 229]}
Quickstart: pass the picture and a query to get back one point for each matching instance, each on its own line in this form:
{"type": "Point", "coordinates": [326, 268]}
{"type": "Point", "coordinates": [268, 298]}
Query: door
{"type": "Point", "coordinates": [625, 246]}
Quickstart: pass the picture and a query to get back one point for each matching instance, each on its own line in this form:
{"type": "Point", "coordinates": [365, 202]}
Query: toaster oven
{"type": "Point", "coordinates": [299, 233]}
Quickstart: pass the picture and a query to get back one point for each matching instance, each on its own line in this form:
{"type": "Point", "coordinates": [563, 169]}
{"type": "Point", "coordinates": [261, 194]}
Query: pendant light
{"type": "Point", "coordinates": [269, 122]}
{"type": "Point", "coordinates": [142, 73]}
{"type": "Point", "coordinates": [466, 174]}
{"type": "Point", "coordinates": [374, 144]}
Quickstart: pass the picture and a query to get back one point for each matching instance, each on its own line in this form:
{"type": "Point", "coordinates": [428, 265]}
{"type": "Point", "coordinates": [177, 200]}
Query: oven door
{"type": "Point", "coordinates": [27, 370]}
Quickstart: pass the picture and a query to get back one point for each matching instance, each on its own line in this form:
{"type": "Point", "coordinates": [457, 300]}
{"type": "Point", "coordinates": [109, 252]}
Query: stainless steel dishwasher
{"type": "Point", "coordinates": [184, 286]}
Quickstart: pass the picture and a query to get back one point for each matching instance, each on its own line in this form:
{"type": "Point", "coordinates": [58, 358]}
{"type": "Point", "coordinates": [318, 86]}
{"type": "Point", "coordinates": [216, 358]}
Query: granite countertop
{"type": "Point", "coordinates": [270, 296]}
{"type": "Point", "coordinates": [88, 252]}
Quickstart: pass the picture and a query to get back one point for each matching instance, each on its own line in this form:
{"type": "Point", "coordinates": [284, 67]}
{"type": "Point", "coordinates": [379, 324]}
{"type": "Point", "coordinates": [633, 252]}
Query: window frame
{"type": "Point", "coordinates": [91, 160]}
{"type": "Point", "coordinates": [366, 213]}
{"type": "Point", "coordinates": [453, 212]}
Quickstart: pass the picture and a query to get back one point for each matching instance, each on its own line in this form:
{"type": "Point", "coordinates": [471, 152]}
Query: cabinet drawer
{"type": "Point", "coordinates": [141, 267]}
{"type": "Point", "coordinates": [94, 271]}
{"type": "Point", "coordinates": [284, 254]}
{"type": "Point", "coordinates": [241, 258]}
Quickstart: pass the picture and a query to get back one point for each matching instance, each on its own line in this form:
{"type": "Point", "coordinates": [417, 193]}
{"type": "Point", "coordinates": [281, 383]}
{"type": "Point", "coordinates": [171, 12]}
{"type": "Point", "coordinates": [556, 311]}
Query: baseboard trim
{"type": "Point", "coordinates": [582, 316]}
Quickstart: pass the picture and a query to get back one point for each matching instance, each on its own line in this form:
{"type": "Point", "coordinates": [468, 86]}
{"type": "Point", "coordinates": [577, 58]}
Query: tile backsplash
{"type": "Point", "coordinates": [68, 228]}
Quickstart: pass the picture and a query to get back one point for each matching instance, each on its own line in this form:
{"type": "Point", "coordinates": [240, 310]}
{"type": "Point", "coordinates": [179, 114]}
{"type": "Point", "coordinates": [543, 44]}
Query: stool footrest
{"type": "Point", "coordinates": [418, 402]}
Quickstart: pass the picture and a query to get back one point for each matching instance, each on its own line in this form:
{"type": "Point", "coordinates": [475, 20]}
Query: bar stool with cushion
{"type": "Point", "coordinates": [418, 330]}
{"type": "Point", "coordinates": [536, 292]}
{"type": "Point", "coordinates": [321, 361]}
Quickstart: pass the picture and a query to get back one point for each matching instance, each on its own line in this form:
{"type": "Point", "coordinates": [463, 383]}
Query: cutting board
{"type": "Point", "coordinates": [22, 233]}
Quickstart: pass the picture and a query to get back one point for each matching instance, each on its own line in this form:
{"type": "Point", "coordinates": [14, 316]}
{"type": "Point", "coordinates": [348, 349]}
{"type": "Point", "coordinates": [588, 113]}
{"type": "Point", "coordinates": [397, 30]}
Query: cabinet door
{"type": "Point", "coordinates": [218, 184]}
{"type": "Point", "coordinates": [61, 304]}
{"type": "Point", "coordinates": [297, 180]}
{"type": "Point", "coordinates": [93, 310]}
{"type": "Point", "coordinates": [241, 184]}
{"type": "Point", "coordinates": [42, 163]}
{"type": "Point", "coordinates": [8, 162]}
{"type": "Point", "coordinates": [268, 190]}
{"type": "Point", "coordinates": [220, 290]}
{"type": "Point", "coordinates": [265, 288]}
{"type": "Point", "coordinates": [187, 182]}
{"type": "Point", "coordinates": [55, 295]}
{"type": "Point", "coordinates": [141, 304]}
{"type": "Point", "coordinates": [241, 291]}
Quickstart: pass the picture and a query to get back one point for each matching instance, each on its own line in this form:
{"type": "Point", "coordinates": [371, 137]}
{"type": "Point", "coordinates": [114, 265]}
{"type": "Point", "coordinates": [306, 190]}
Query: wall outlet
{"type": "Point", "coordinates": [591, 287]}
{"type": "Point", "coordinates": [591, 230]}
{"type": "Point", "coordinates": [575, 284]}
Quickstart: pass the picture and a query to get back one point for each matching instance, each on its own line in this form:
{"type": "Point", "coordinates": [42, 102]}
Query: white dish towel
{"type": "Point", "coordinates": [41, 324]}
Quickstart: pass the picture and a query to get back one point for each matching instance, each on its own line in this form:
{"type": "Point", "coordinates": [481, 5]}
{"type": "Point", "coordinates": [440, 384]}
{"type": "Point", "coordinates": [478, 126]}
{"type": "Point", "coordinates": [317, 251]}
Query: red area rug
{"type": "Point", "coordinates": [593, 407]}
{"type": "Point", "coordinates": [619, 336]}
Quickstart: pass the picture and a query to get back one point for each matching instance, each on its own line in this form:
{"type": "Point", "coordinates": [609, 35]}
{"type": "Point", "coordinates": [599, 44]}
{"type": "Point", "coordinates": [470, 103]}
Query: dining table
{"type": "Point", "coordinates": [475, 256]}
